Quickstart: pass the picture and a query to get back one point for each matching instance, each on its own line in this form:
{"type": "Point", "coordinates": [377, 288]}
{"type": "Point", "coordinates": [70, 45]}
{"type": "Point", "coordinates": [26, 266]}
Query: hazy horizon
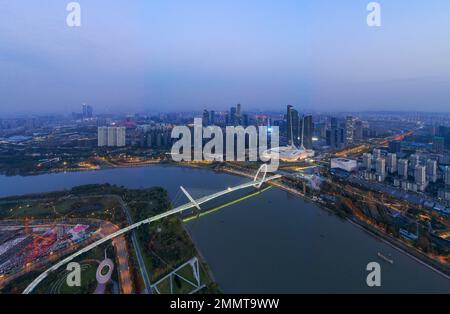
{"type": "Point", "coordinates": [189, 55]}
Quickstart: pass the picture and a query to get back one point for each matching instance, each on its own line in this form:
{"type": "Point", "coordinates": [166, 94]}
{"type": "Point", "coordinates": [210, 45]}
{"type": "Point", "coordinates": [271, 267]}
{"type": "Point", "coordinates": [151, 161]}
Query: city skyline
{"type": "Point", "coordinates": [315, 55]}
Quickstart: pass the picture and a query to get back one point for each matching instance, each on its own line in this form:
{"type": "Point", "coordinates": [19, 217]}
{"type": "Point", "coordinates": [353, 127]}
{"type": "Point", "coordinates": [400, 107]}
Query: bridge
{"type": "Point", "coordinates": [193, 203]}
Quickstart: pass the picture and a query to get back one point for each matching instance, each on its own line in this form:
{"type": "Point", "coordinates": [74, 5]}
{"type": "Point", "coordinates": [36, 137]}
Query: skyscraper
{"type": "Point", "coordinates": [414, 161]}
{"type": "Point", "coordinates": [403, 168]}
{"type": "Point", "coordinates": [212, 117]}
{"type": "Point", "coordinates": [376, 153]}
{"type": "Point", "coordinates": [205, 118]}
{"type": "Point", "coordinates": [102, 135]}
{"type": "Point", "coordinates": [395, 147]}
{"type": "Point", "coordinates": [308, 131]}
{"type": "Point", "coordinates": [367, 161]}
{"type": "Point", "coordinates": [349, 130]}
{"type": "Point", "coordinates": [293, 125]}
{"type": "Point", "coordinates": [447, 176]}
{"type": "Point", "coordinates": [87, 111]}
{"type": "Point", "coordinates": [420, 175]}
{"type": "Point", "coordinates": [232, 118]}
{"type": "Point", "coordinates": [432, 170]}
{"type": "Point", "coordinates": [381, 168]}
{"type": "Point", "coordinates": [111, 136]}
{"type": "Point", "coordinates": [438, 144]}
{"type": "Point", "coordinates": [392, 163]}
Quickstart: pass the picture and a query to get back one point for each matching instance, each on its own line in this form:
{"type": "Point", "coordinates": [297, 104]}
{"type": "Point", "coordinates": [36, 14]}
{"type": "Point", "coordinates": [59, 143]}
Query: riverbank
{"type": "Point", "coordinates": [411, 252]}
{"type": "Point", "coordinates": [242, 233]}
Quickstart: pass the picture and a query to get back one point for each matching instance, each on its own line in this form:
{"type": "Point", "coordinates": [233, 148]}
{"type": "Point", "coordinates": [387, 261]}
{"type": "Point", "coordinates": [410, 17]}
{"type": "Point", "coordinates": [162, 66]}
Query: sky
{"type": "Point", "coordinates": [185, 55]}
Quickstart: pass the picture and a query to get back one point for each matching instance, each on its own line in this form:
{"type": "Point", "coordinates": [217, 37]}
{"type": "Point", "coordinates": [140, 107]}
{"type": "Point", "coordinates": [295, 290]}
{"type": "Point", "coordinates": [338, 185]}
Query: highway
{"type": "Point", "coordinates": [255, 183]}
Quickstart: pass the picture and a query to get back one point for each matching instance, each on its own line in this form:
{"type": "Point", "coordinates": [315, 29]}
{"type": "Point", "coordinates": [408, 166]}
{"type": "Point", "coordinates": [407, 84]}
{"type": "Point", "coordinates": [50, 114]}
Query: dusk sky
{"type": "Point", "coordinates": [184, 55]}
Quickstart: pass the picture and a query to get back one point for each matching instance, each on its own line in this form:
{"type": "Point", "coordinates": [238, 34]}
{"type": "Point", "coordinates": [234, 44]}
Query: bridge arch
{"type": "Point", "coordinates": [255, 179]}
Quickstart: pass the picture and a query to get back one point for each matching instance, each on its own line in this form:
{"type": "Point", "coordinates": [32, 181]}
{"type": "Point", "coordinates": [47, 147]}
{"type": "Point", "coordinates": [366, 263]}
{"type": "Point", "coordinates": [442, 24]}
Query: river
{"type": "Point", "coordinates": [271, 243]}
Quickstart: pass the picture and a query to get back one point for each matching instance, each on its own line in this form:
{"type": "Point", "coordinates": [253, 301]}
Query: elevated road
{"type": "Point", "coordinates": [255, 183]}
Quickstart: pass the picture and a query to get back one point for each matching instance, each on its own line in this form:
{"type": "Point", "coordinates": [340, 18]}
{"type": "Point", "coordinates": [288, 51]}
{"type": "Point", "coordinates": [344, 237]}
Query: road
{"type": "Point", "coordinates": [137, 248]}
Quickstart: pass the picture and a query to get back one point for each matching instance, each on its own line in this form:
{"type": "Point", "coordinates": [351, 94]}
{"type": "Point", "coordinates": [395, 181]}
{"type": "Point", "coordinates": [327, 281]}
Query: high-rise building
{"type": "Point", "coordinates": [367, 161]}
{"type": "Point", "coordinates": [121, 137]}
{"type": "Point", "coordinates": [381, 168]}
{"type": "Point", "coordinates": [420, 175]}
{"type": "Point", "coordinates": [414, 160]}
{"type": "Point", "coordinates": [102, 134]}
{"type": "Point", "coordinates": [376, 153]}
{"type": "Point", "coordinates": [87, 111]}
{"type": "Point", "coordinates": [444, 132]}
{"type": "Point", "coordinates": [308, 131]}
{"type": "Point", "coordinates": [212, 117]}
{"type": "Point", "coordinates": [205, 118]}
{"type": "Point", "coordinates": [395, 147]}
{"type": "Point", "coordinates": [332, 134]}
{"type": "Point", "coordinates": [293, 125]}
{"type": "Point", "coordinates": [432, 170]}
{"type": "Point", "coordinates": [438, 144]}
{"type": "Point", "coordinates": [392, 163]}
{"type": "Point", "coordinates": [233, 116]}
{"type": "Point", "coordinates": [358, 133]}
{"type": "Point", "coordinates": [403, 168]}
{"type": "Point", "coordinates": [349, 130]}
{"type": "Point", "coordinates": [447, 176]}
{"type": "Point", "coordinates": [111, 136]}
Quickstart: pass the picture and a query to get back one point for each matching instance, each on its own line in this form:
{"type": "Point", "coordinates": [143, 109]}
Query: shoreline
{"type": "Point", "coordinates": [417, 256]}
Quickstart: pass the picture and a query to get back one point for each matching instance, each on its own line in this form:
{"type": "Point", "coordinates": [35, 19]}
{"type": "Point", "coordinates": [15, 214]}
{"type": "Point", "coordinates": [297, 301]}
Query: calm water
{"type": "Point", "coordinates": [273, 242]}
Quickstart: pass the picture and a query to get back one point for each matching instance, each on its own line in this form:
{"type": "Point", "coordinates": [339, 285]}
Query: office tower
{"type": "Point", "coordinates": [245, 120]}
{"type": "Point", "coordinates": [120, 136]}
{"type": "Point", "coordinates": [232, 118]}
{"type": "Point", "coordinates": [205, 118]}
{"type": "Point", "coordinates": [367, 161]}
{"type": "Point", "coordinates": [212, 117]}
{"type": "Point", "coordinates": [381, 168]}
{"type": "Point", "coordinates": [334, 123]}
{"type": "Point", "coordinates": [332, 135]}
{"type": "Point", "coordinates": [293, 133]}
{"type": "Point", "coordinates": [392, 163]}
{"type": "Point", "coordinates": [432, 170]}
{"type": "Point", "coordinates": [420, 175]}
{"type": "Point", "coordinates": [87, 111]}
{"type": "Point", "coordinates": [376, 153]}
{"type": "Point", "coordinates": [395, 147]}
{"type": "Point", "coordinates": [403, 168]}
{"type": "Point", "coordinates": [341, 137]}
{"type": "Point", "coordinates": [349, 129]}
{"type": "Point", "coordinates": [308, 131]}
{"type": "Point", "coordinates": [444, 132]}
{"type": "Point", "coordinates": [358, 134]}
{"type": "Point", "coordinates": [102, 135]}
{"type": "Point", "coordinates": [414, 161]}
{"type": "Point", "coordinates": [238, 114]}
{"type": "Point", "coordinates": [447, 176]}
{"type": "Point", "coordinates": [438, 144]}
